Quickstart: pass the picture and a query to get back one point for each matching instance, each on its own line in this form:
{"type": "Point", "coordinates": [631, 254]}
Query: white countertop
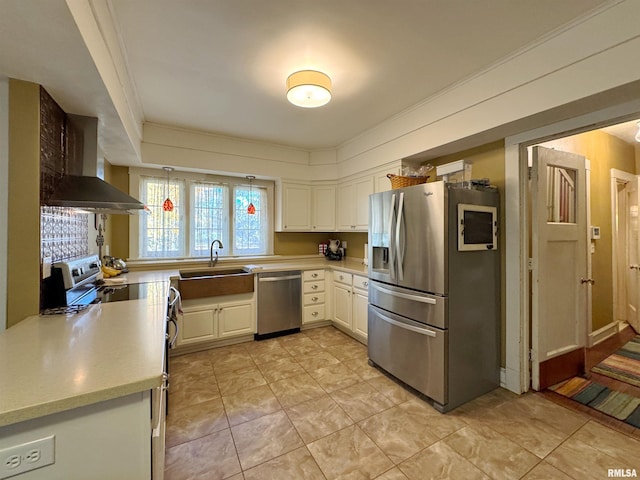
{"type": "Point", "coordinates": [53, 363]}
{"type": "Point", "coordinates": [58, 362]}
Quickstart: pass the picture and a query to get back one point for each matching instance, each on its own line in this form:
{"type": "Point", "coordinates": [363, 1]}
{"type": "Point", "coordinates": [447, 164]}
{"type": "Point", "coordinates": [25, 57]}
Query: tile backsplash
{"type": "Point", "coordinates": [64, 233]}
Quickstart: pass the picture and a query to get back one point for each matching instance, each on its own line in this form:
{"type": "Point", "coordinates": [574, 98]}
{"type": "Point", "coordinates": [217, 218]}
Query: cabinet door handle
{"type": "Point", "coordinates": [314, 287]}
{"type": "Point", "coordinates": [366, 284]}
{"type": "Point", "coordinates": [315, 314]}
{"type": "Point", "coordinates": [314, 275]}
{"type": "Point", "coordinates": [315, 299]}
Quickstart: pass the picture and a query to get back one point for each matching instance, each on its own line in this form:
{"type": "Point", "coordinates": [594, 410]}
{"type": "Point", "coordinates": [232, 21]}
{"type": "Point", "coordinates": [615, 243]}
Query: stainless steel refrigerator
{"type": "Point", "coordinates": [434, 309]}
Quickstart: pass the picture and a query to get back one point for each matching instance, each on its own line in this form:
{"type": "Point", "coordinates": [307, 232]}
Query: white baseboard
{"type": "Point", "coordinates": [510, 380]}
{"type": "Point", "coordinates": [603, 333]}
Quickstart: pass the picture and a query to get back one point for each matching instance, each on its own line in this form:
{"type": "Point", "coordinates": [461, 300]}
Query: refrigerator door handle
{"type": "Point", "coordinates": [392, 243]}
{"type": "Point", "coordinates": [399, 245]}
{"type": "Point", "coordinates": [406, 326]}
{"type": "Point", "coordinates": [415, 298]}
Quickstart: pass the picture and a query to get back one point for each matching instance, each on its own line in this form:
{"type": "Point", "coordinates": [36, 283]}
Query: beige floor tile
{"type": "Point", "coordinates": [529, 432]}
{"type": "Point", "coordinates": [267, 351]}
{"type": "Point", "coordinates": [295, 465]}
{"type": "Point", "coordinates": [363, 369]}
{"type": "Point", "coordinates": [487, 401]}
{"type": "Point", "coordinates": [186, 423]}
{"type": "Point", "coordinates": [546, 471]}
{"type": "Point", "coordinates": [491, 452]}
{"type": "Point", "coordinates": [347, 351]}
{"type": "Point", "coordinates": [318, 418]}
{"type": "Point", "coordinates": [615, 444]}
{"type": "Point", "coordinates": [238, 364]}
{"type": "Point", "coordinates": [293, 390]}
{"type": "Point", "coordinates": [361, 400]}
{"type": "Point", "coordinates": [230, 383]}
{"type": "Point", "coordinates": [194, 364]}
{"type": "Point", "coordinates": [317, 360]}
{"type": "Point", "coordinates": [228, 359]}
{"type": "Point", "coordinates": [392, 390]}
{"type": "Point", "coordinates": [533, 405]}
{"type": "Point", "coordinates": [250, 403]}
{"type": "Point", "coordinates": [189, 391]}
{"type": "Point", "coordinates": [440, 462]}
{"type": "Point", "coordinates": [211, 457]}
{"type": "Point", "coordinates": [301, 346]}
{"type": "Point", "coordinates": [279, 369]}
{"type": "Point", "coordinates": [582, 461]}
{"type": "Point", "coordinates": [349, 453]}
{"type": "Point", "coordinates": [187, 377]}
{"type": "Point", "coordinates": [265, 438]}
{"type": "Point", "coordinates": [335, 377]}
{"type": "Point", "coordinates": [400, 432]}
{"type": "Point", "coordinates": [327, 338]}
{"type": "Point", "coordinates": [393, 474]}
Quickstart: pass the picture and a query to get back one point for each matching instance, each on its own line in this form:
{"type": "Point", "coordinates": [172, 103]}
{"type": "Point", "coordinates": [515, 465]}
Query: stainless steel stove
{"type": "Point", "coordinates": [75, 284]}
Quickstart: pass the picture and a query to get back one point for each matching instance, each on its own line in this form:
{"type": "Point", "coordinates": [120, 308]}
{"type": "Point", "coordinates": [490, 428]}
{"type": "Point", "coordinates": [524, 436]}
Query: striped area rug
{"type": "Point", "coordinates": [619, 405]}
{"type": "Point", "coordinates": [624, 364]}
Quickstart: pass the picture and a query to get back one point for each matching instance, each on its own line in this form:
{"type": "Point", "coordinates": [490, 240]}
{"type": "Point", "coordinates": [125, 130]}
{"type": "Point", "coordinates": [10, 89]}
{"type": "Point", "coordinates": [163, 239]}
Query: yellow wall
{"type": "Point", "coordinates": [117, 235]}
{"type": "Point", "coordinates": [605, 152]}
{"type": "Point", "coordinates": [488, 162]}
{"type": "Point", "coordinates": [302, 243]}
{"type": "Point", "coordinates": [23, 266]}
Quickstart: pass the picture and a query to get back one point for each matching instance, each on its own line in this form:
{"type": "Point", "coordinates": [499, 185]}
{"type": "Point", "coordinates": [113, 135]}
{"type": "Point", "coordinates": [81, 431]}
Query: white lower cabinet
{"type": "Point", "coordinates": [212, 318]}
{"type": "Point", "coordinates": [342, 305]}
{"type": "Point", "coordinates": [351, 300]}
{"type": "Point", "coordinates": [313, 296]}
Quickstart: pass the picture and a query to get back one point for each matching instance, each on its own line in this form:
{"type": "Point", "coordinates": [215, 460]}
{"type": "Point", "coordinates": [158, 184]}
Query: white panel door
{"type": "Point", "coordinates": [633, 255]}
{"type": "Point", "coordinates": [559, 256]}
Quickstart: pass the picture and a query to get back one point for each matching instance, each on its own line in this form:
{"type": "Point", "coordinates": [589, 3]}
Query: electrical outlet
{"type": "Point", "coordinates": [27, 456]}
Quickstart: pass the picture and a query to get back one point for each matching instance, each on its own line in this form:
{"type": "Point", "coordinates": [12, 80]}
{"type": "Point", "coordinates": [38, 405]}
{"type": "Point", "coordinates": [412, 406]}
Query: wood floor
{"type": "Point", "coordinates": [594, 356]}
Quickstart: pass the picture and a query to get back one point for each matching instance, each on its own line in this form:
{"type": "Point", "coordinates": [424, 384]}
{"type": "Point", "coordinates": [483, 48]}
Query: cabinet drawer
{"type": "Point", "coordinates": [313, 275]}
{"type": "Point", "coordinates": [313, 298]}
{"type": "Point", "coordinates": [360, 282]}
{"type": "Point", "coordinates": [312, 313]}
{"type": "Point", "coordinates": [342, 277]}
{"type": "Point", "coordinates": [312, 287]}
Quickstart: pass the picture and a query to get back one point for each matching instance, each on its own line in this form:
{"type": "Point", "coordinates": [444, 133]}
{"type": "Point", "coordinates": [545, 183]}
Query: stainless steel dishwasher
{"type": "Point", "coordinates": [279, 303]}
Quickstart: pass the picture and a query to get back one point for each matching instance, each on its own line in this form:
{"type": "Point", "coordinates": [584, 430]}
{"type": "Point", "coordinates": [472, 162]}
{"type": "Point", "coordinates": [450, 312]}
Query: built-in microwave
{"type": "Point", "coordinates": [477, 227]}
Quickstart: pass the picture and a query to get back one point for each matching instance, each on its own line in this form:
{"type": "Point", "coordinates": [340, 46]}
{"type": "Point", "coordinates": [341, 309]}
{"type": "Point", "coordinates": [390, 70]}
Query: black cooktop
{"type": "Point", "coordinates": [130, 291]}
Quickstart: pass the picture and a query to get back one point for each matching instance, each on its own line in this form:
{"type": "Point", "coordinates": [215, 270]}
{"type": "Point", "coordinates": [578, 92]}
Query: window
{"type": "Point", "coordinates": [250, 231]}
{"type": "Point", "coordinates": [210, 216]}
{"type": "Point", "coordinates": [161, 233]}
{"type": "Point", "coordinates": [206, 208]}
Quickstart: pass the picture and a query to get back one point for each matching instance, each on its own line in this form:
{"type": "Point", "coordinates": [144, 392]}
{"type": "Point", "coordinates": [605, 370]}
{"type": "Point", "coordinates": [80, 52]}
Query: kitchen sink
{"type": "Point", "coordinates": [214, 282]}
{"type": "Point", "coordinates": [211, 272]}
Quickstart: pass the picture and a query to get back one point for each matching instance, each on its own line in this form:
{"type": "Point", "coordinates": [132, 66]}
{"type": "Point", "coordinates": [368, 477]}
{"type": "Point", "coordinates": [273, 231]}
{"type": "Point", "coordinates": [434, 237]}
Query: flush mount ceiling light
{"type": "Point", "coordinates": [308, 89]}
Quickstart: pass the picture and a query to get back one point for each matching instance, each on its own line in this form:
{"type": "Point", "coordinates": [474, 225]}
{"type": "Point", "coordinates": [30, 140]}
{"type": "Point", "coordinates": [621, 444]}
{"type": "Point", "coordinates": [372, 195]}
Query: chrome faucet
{"type": "Point", "coordinates": [212, 261]}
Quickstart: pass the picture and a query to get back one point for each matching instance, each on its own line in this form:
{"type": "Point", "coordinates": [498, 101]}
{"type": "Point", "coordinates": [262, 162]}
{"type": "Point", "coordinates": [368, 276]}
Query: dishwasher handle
{"type": "Point", "coordinates": [278, 279]}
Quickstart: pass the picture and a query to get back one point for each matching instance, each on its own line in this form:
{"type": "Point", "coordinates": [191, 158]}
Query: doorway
{"type": "Point", "coordinates": [590, 315]}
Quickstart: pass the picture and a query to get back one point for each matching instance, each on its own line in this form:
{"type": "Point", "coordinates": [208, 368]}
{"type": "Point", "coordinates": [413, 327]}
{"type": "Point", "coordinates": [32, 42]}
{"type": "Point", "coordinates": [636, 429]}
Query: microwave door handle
{"type": "Point", "coordinates": [399, 243]}
{"type": "Point", "coordinates": [392, 243]}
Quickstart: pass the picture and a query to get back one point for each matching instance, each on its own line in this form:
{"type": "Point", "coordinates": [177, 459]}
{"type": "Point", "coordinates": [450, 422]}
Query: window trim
{"type": "Point", "coordinates": [135, 175]}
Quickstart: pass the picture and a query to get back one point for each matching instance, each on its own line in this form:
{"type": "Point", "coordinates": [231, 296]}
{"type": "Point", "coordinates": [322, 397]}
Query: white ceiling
{"type": "Point", "coordinates": [220, 65]}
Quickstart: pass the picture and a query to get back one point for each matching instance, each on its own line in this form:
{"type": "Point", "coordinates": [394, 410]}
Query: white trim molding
{"type": "Point", "coordinates": [603, 333]}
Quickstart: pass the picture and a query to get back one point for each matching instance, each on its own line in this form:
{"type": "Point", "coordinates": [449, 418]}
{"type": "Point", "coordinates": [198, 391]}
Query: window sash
{"type": "Point", "coordinates": [209, 219]}
{"type": "Point", "coordinates": [162, 233]}
{"type": "Point", "coordinates": [251, 232]}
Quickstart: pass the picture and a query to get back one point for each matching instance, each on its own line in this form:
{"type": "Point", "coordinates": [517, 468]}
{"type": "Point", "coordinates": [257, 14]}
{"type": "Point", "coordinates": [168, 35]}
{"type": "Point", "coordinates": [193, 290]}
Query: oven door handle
{"type": "Point", "coordinates": [176, 296]}
{"type": "Point", "coordinates": [175, 335]}
{"type": "Point", "coordinates": [406, 326]}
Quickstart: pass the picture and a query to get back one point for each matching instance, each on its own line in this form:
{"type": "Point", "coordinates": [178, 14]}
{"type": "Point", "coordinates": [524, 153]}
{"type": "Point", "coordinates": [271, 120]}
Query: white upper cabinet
{"type": "Point", "coordinates": [353, 204]}
{"type": "Point", "coordinates": [295, 208]}
{"type": "Point", "coordinates": [323, 202]}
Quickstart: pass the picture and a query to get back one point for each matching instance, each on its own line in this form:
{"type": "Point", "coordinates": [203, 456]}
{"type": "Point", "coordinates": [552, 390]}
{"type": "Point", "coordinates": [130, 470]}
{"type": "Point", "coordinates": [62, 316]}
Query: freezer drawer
{"type": "Point", "coordinates": [419, 306]}
{"type": "Point", "coordinates": [412, 352]}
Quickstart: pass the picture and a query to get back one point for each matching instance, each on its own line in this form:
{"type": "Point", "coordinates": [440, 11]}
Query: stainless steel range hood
{"type": "Point", "coordinates": [88, 192]}
{"type": "Point", "coordinates": [93, 195]}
